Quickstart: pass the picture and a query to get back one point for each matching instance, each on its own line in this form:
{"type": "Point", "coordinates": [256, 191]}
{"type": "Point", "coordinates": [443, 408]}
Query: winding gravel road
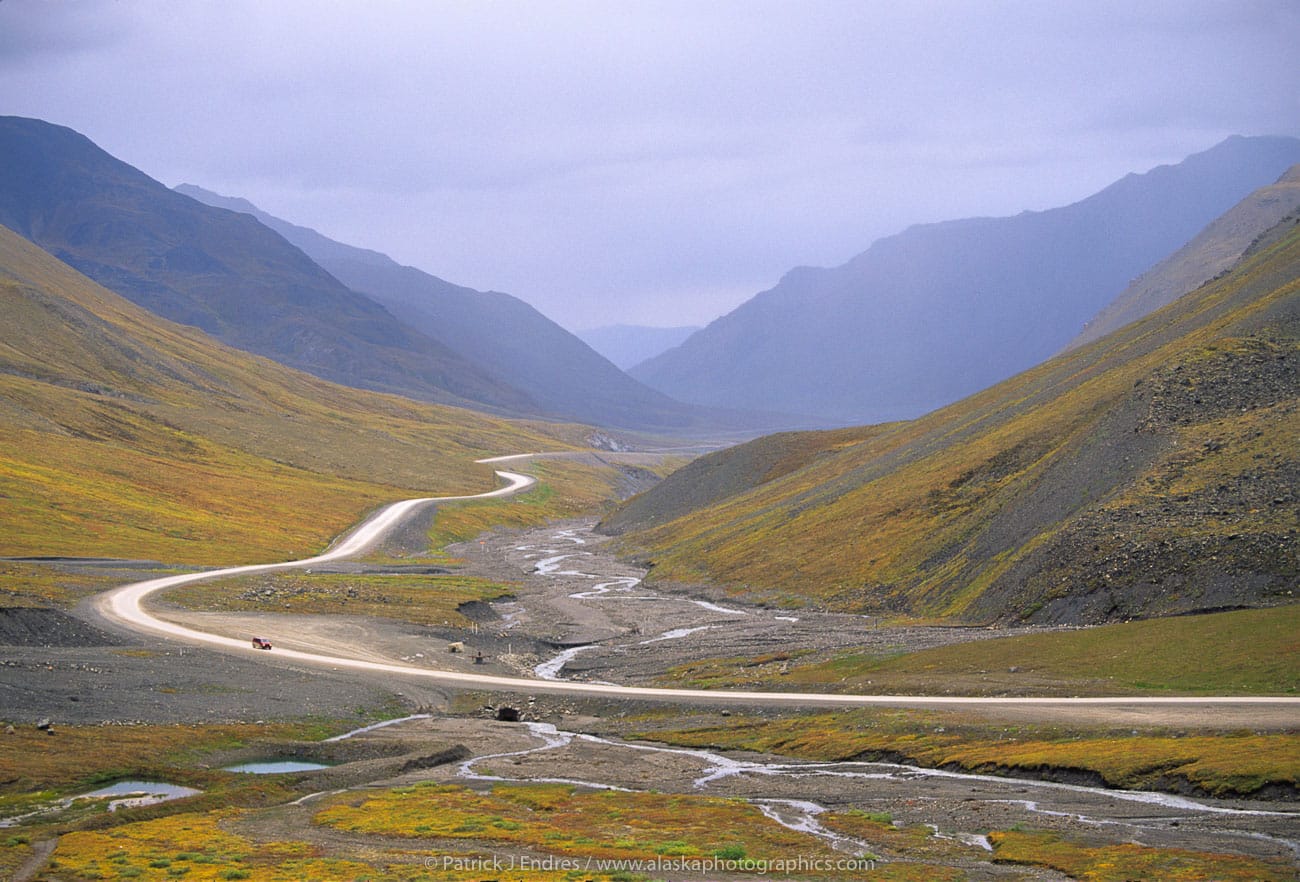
{"type": "Point", "coordinates": [125, 605]}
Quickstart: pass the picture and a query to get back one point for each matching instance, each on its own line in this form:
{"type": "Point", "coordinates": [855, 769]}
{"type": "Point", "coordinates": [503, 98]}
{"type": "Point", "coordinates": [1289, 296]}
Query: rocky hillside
{"type": "Point", "coordinates": [940, 311]}
{"type": "Point", "coordinates": [1153, 472]}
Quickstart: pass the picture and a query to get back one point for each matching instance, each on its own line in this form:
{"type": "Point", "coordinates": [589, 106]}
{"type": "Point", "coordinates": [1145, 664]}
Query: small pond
{"type": "Point", "coordinates": [275, 767]}
{"type": "Point", "coordinates": [123, 794]}
{"type": "Point", "coordinates": [136, 793]}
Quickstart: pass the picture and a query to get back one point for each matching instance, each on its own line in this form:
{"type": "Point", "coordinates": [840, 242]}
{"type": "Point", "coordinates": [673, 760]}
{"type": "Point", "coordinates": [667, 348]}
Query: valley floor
{"type": "Point", "coordinates": [576, 612]}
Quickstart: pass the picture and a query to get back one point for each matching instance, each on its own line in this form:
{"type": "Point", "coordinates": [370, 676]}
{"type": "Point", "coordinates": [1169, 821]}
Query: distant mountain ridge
{"type": "Point", "coordinates": [939, 311]}
{"type": "Point", "coordinates": [219, 271]}
{"type": "Point", "coordinates": [629, 345]}
{"type": "Point", "coordinates": [512, 340]}
{"type": "Point", "coordinates": [1214, 250]}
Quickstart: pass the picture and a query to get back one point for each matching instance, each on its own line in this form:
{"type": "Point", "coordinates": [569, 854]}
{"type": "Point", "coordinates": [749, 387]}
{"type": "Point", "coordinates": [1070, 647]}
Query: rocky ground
{"type": "Point", "coordinates": [574, 594]}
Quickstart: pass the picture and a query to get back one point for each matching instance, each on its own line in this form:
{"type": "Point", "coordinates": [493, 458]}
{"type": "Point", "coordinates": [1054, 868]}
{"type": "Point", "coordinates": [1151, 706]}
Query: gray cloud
{"type": "Point", "coordinates": [647, 161]}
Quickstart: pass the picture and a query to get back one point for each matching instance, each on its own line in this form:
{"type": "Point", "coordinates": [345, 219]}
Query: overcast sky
{"type": "Point", "coordinates": [649, 162]}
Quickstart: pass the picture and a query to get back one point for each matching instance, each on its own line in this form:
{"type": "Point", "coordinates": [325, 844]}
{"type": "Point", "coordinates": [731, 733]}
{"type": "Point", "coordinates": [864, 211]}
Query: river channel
{"type": "Point", "coordinates": [608, 626]}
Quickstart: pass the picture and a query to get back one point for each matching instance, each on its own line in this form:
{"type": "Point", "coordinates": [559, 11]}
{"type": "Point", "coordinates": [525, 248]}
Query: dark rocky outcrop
{"type": "Point", "coordinates": [43, 626]}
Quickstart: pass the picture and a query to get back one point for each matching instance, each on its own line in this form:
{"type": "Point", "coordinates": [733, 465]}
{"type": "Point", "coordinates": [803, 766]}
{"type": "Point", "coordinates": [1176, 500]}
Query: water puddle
{"type": "Point", "coordinates": [123, 794]}
{"type": "Point", "coordinates": [713, 607]}
{"type": "Point", "coordinates": [604, 589]}
{"type": "Point", "coordinates": [550, 566]}
{"type": "Point", "coordinates": [137, 793]}
{"type": "Point", "coordinates": [801, 816]}
{"type": "Point", "coordinates": [551, 739]}
{"type": "Point", "coordinates": [275, 767]}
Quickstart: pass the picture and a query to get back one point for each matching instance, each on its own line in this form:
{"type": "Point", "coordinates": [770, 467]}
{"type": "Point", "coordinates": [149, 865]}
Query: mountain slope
{"type": "Point", "coordinates": [123, 434]}
{"type": "Point", "coordinates": [1152, 472]}
{"type": "Point", "coordinates": [218, 271]}
{"type": "Point", "coordinates": [942, 310]}
{"type": "Point", "coordinates": [1214, 250]}
{"type": "Point", "coordinates": [515, 342]}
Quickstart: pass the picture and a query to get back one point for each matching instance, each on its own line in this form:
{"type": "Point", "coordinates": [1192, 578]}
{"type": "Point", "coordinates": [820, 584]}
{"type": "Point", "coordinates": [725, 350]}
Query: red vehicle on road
{"type": "Point", "coordinates": [259, 643]}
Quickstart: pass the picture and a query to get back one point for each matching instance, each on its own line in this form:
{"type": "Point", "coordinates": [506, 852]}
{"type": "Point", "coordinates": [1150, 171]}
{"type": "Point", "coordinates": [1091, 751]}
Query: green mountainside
{"type": "Point", "coordinates": [1153, 472]}
{"type": "Point", "coordinates": [125, 435]}
{"type": "Point", "coordinates": [220, 271]}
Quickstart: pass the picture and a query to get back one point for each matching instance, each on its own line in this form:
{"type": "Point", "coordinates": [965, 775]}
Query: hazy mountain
{"type": "Point", "coordinates": [219, 271]}
{"type": "Point", "coordinates": [942, 310]}
{"type": "Point", "coordinates": [511, 339]}
{"type": "Point", "coordinates": [123, 434]}
{"type": "Point", "coordinates": [1154, 472]}
{"type": "Point", "coordinates": [1214, 250]}
{"type": "Point", "coordinates": [629, 345]}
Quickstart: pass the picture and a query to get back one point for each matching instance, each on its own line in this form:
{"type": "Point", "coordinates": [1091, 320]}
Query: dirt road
{"type": "Point", "coordinates": [125, 606]}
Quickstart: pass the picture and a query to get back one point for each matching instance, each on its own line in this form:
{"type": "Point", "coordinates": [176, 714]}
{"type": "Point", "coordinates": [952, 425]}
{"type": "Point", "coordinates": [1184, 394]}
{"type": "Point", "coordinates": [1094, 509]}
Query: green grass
{"type": "Point", "coordinates": [36, 585]}
{"type": "Point", "coordinates": [38, 772]}
{"type": "Point", "coordinates": [1122, 863]}
{"type": "Point", "coordinates": [1244, 652]}
{"type": "Point", "coordinates": [562, 821]}
{"type": "Point", "coordinates": [81, 756]}
{"type": "Point", "coordinates": [212, 846]}
{"type": "Point", "coordinates": [611, 825]}
{"type": "Point", "coordinates": [565, 489]}
{"type": "Point", "coordinates": [224, 834]}
{"type": "Point", "coordinates": [423, 599]}
{"type": "Point", "coordinates": [15, 849]}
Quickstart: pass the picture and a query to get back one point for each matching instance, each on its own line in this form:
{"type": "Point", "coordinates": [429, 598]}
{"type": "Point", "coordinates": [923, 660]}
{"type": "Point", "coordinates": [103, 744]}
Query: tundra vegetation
{"type": "Point", "coordinates": [35, 768]}
{"type": "Point", "coordinates": [452, 833]}
{"type": "Point", "coordinates": [1251, 652]}
{"type": "Point", "coordinates": [1238, 763]}
{"type": "Point", "coordinates": [422, 599]}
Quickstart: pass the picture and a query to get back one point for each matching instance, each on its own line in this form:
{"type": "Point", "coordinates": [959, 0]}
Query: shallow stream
{"type": "Point", "coordinates": [795, 793]}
